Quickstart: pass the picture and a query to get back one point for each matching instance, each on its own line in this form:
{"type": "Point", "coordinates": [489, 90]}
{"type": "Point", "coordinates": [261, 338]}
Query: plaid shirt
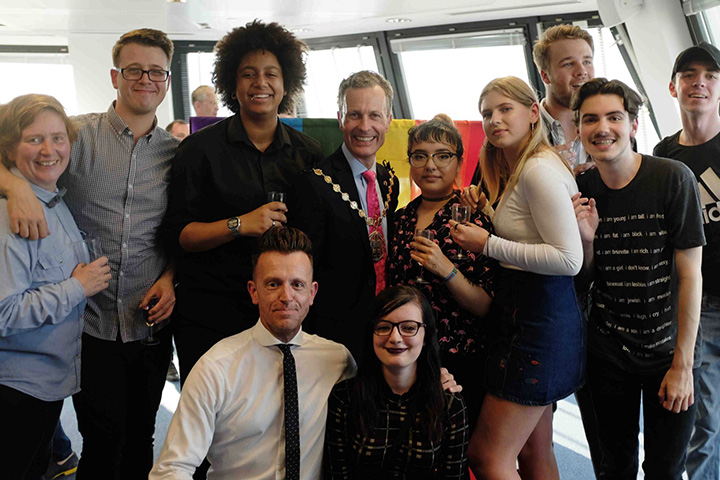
{"type": "Point", "coordinates": [117, 192]}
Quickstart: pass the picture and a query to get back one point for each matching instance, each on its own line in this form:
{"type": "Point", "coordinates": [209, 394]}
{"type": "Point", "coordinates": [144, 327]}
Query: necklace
{"type": "Point", "coordinates": [377, 242]}
{"type": "Point", "coordinates": [441, 199]}
{"type": "Point", "coordinates": [370, 221]}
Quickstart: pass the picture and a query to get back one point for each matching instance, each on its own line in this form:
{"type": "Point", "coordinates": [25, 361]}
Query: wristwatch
{"type": "Point", "coordinates": [233, 225]}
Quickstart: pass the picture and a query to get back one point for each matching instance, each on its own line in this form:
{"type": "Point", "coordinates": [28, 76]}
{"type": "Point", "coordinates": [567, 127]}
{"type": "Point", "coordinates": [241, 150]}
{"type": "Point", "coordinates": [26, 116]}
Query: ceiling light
{"type": "Point", "coordinates": [398, 20]}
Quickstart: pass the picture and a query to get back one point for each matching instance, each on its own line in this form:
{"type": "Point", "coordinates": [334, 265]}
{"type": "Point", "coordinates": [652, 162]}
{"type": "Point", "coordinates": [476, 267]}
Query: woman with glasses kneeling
{"type": "Point", "coordinates": [421, 251]}
{"type": "Point", "coordinates": [43, 287]}
{"type": "Point", "coordinates": [394, 420]}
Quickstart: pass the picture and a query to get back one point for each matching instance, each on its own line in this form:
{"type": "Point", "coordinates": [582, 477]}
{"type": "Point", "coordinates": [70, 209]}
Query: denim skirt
{"type": "Point", "coordinates": [535, 341]}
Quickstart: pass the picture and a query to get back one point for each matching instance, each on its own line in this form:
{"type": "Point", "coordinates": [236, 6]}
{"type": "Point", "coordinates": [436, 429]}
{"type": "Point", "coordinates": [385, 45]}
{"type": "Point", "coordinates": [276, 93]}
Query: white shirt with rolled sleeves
{"type": "Point", "coordinates": [231, 408]}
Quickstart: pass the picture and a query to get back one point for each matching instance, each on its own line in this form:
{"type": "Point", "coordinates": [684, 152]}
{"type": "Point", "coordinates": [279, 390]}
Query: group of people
{"type": "Point", "coordinates": [335, 273]}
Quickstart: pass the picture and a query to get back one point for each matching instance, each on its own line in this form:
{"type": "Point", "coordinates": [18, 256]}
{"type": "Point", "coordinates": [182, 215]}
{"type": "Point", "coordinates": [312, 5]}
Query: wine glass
{"type": "Point", "coordinates": [150, 339]}
{"type": "Point", "coordinates": [461, 214]}
{"type": "Point", "coordinates": [430, 235]}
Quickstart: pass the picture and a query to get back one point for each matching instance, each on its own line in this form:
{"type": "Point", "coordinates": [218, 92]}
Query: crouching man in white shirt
{"type": "Point", "coordinates": [233, 406]}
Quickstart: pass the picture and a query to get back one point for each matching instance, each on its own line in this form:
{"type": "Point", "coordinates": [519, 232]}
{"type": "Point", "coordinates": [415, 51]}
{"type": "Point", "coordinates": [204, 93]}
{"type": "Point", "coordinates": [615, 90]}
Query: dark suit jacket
{"type": "Point", "coordinates": [342, 259]}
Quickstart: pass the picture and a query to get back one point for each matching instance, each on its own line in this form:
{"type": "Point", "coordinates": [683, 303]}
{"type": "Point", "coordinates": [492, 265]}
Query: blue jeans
{"type": "Point", "coordinates": [703, 461]}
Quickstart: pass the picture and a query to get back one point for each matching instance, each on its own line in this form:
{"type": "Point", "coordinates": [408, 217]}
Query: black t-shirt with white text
{"type": "Point", "coordinates": [633, 322]}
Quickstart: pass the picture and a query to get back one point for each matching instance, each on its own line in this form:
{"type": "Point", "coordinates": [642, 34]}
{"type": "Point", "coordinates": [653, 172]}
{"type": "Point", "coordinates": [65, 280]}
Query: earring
{"type": "Point", "coordinates": [532, 127]}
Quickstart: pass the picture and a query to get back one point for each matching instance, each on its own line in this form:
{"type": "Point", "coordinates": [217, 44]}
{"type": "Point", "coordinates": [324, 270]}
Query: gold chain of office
{"type": "Point", "coordinates": [370, 221]}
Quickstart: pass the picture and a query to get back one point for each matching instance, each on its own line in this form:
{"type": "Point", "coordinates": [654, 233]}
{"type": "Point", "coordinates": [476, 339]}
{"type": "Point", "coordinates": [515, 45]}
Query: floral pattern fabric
{"type": "Point", "coordinates": [458, 329]}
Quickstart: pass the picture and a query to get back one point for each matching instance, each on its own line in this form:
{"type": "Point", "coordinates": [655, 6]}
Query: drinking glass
{"type": "Point", "coordinates": [461, 214]}
{"type": "Point", "coordinates": [430, 235]}
{"type": "Point", "coordinates": [276, 197]}
{"type": "Point", "coordinates": [150, 339]}
{"type": "Point", "coordinates": [87, 250]}
{"type": "Point", "coordinates": [94, 248]}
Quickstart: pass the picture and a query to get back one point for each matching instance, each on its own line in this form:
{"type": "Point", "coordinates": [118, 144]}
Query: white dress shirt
{"type": "Point", "coordinates": [231, 408]}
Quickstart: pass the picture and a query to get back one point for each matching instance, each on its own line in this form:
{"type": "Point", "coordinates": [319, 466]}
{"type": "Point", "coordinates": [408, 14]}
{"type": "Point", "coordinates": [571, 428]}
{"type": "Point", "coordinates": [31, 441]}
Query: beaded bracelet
{"type": "Point", "coordinates": [451, 275]}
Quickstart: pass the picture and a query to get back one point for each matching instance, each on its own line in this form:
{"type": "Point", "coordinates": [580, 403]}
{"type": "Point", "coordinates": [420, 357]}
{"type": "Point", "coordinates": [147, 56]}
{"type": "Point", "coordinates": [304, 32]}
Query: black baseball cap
{"type": "Point", "coordinates": [704, 52]}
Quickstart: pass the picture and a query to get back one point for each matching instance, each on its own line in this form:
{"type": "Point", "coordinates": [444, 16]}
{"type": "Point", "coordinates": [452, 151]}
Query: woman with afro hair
{"type": "Point", "coordinates": [221, 179]}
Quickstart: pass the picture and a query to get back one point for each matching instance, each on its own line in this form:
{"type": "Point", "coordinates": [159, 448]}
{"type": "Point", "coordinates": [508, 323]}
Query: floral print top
{"type": "Point", "coordinates": [458, 329]}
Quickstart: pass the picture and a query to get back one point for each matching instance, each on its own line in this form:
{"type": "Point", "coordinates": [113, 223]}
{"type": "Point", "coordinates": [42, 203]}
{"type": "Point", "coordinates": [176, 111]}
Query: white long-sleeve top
{"type": "Point", "coordinates": [231, 408]}
{"type": "Point", "coordinates": [535, 225]}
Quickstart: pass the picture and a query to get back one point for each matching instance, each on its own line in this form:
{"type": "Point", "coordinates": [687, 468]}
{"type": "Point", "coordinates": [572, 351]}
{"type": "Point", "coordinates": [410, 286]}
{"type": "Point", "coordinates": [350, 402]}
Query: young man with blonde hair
{"type": "Point", "coordinates": [117, 192]}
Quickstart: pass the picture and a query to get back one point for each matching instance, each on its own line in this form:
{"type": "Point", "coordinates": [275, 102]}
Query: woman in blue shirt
{"type": "Point", "coordinates": [43, 287]}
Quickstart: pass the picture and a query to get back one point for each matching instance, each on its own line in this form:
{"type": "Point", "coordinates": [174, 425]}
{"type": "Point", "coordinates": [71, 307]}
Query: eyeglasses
{"type": "Point", "coordinates": [407, 328]}
{"type": "Point", "coordinates": [441, 159]}
{"type": "Point", "coordinates": [134, 73]}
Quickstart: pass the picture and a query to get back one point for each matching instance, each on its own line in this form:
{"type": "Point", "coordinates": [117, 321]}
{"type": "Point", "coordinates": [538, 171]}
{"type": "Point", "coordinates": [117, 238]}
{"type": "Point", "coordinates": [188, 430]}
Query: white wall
{"type": "Point", "coordinates": [91, 57]}
{"type": "Point", "coordinates": [656, 50]}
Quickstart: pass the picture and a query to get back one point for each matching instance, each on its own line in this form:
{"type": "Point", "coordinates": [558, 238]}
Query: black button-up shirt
{"type": "Point", "coordinates": [218, 173]}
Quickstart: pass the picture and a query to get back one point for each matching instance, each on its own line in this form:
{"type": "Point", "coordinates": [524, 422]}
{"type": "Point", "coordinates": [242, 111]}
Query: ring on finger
{"type": "Point", "coordinates": [273, 224]}
{"type": "Point", "coordinates": [456, 226]}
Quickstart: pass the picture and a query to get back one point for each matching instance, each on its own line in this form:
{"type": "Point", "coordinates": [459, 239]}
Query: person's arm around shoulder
{"type": "Point", "coordinates": [27, 217]}
{"type": "Point", "coordinates": [192, 428]}
{"type": "Point", "coordinates": [676, 390]}
{"type": "Point", "coordinates": [455, 440]}
{"type": "Point", "coordinates": [588, 220]}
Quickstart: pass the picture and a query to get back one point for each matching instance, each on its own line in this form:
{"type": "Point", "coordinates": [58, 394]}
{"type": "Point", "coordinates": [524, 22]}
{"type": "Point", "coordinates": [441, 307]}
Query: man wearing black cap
{"type": "Point", "coordinates": [696, 84]}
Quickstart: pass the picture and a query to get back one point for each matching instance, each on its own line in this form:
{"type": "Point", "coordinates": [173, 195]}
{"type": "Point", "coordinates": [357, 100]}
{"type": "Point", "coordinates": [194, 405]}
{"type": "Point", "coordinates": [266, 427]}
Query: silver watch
{"type": "Point", "coordinates": [233, 224]}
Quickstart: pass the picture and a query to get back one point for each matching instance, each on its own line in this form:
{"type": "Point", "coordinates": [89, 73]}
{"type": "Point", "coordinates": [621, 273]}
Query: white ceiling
{"type": "Point", "coordinates": [52, 21]}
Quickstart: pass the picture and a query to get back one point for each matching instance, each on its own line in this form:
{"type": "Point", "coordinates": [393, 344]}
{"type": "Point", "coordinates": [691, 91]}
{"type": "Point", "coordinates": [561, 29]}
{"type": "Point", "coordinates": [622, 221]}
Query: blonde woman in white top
{"type": "Point", "coordinates": [535, 353]}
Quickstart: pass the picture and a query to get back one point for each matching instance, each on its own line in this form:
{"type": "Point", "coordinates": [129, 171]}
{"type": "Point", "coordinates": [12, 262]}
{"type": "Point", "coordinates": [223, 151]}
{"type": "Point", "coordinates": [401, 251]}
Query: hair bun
{"type": "Point", "coordinates": [444, 118]}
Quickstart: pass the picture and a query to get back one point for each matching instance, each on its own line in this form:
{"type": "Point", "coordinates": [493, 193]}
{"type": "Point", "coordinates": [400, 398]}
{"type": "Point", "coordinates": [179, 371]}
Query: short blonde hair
{"type": "Point", "coordinates": [20, 113]}
{"type": "Point", "coordinates": [541, 50]}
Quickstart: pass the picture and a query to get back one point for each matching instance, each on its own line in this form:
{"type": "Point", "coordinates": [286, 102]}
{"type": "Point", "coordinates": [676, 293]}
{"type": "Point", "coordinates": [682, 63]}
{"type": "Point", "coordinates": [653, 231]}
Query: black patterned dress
{"type": "Point", "coordinates": [459, 331]}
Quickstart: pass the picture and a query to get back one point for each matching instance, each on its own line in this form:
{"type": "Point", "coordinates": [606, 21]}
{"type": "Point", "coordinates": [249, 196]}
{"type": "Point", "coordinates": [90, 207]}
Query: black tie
{"type": "Point", "coordinates": [292, 424]}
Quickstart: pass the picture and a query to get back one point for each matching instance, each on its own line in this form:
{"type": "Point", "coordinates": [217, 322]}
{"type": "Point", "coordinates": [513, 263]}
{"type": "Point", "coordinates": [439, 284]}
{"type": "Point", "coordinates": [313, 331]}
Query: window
{"type": "Point", "coordinates": [46, 73]}
{"type": "Point", "coordinates": [711, 19]}
{"type": "Point", "coordinates": [610, 63]}
{"type": "Point", "coordinates": [325, 70]}
{"type": "Point", "coordinates": [446, 73]}
{"type": "Point", "coordinates": [200, 67]}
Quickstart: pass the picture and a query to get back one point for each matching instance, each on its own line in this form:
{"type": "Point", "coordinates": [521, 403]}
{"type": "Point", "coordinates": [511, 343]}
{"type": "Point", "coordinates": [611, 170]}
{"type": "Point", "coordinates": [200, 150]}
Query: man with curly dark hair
{"type": "Point", "coordinates": [221, 179]}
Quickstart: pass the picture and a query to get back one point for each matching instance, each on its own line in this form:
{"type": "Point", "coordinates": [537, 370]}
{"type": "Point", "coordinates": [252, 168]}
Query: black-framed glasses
{"type": "Point", "coordinates": [135, 73]}
{"type": "Point", "coordinates": [441, 159]}
{"type": "Point", "coordinates": [407, 328]}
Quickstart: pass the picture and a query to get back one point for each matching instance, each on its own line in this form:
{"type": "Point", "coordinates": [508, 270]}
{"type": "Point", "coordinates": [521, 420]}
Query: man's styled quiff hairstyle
{"type": "Point", "coordinates": [283, 239]}
{"type": "Point", "coordinates": [147, 37]}
{"type": "Point", "coordinates": [271, 37]}
{"type": "Point", "coordinates": [632, 101]}
{"type": "Point", "coordinates": [364, 79]}
{"type": "Point", "coordinates": [541, 50]}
